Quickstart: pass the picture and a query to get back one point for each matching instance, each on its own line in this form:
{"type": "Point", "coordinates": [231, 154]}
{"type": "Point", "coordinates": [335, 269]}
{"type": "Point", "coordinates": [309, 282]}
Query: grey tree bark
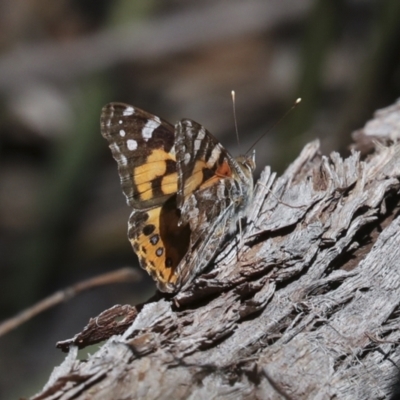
{"type": "Point", "coordinates": [305, 306]}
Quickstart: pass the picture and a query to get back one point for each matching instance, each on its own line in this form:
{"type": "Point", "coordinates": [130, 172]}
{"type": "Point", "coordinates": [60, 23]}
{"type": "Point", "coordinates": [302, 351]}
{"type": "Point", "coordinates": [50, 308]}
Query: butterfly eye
{"type": "Point", "coordinates": [250, 162]}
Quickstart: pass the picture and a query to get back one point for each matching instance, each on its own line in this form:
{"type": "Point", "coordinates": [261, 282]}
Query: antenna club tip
{"type": "Point", "coordinates": [297, 101]}
{"type": "Point", "coordinates": [232, 93]}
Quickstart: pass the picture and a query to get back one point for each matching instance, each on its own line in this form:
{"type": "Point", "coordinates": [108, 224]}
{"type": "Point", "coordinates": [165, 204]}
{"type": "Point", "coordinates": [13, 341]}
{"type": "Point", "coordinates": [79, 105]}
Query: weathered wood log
{"type": "Point", "coordinates": [304, 306]}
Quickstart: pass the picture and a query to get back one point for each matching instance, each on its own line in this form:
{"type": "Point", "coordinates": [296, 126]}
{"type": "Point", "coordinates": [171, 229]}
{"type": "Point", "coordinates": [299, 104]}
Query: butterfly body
{"type": "Point", "coordinates": [187, 192]}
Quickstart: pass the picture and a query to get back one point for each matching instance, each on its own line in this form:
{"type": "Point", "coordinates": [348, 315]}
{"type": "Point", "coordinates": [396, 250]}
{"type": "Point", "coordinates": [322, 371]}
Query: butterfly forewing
{"type": "Point", "coordinates": [143, 146]}
{"type": "Point", "coordinates": [213, 191]}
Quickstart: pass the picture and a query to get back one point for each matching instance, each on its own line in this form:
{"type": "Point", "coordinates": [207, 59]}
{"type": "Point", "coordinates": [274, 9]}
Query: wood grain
{"type": "Point", "coordinates": [304, 306]}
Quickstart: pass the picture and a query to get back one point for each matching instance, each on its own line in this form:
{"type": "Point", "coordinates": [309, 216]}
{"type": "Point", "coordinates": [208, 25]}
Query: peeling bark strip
{"type": "Point", "coordinates": [308, 308]}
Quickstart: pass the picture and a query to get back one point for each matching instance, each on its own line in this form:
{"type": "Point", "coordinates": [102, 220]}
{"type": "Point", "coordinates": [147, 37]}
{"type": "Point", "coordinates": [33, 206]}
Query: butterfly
{"type": "Point", "coordinates": [186, 191]}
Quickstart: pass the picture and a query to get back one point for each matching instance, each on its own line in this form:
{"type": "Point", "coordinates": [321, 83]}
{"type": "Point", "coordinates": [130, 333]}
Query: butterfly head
{"type": "Point", "coordinates": [248, 165]}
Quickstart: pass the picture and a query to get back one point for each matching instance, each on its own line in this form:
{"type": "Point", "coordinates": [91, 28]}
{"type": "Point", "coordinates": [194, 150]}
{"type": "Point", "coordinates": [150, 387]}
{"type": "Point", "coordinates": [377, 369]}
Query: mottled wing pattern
{"type": "Point", "coordinates": [160, 242]}
{"type": "Point", "coordinates": [186, 191]}
{"type": "Point", "coordinates": [214, 190]}
{"type": "Point", "coordinates": [143, 146]}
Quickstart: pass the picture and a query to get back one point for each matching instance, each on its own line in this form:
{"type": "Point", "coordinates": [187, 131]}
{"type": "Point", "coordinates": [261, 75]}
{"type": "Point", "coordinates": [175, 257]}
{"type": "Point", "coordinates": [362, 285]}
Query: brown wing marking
{"type": "Point", "coordinates": [159, 242]}
{"type": "Point", "coordinates": [201, 160]}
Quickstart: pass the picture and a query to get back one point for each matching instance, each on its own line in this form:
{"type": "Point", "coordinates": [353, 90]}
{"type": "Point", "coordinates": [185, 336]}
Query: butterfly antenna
{"type": "Point", "coordinates": [296, 103]}
{"type": "Point", "coordinates": [233, 94]}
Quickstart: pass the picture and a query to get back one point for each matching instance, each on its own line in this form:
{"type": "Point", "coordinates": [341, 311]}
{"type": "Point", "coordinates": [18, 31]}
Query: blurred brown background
{"type": "Point", "coordinates": [62, 214]}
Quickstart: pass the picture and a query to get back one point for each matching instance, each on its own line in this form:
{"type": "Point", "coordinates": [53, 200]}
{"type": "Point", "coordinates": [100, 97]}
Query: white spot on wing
{"type": "Point", "coordinates": [150, 127]}
{"type": "Point", "coordinates": [122, 133]}
{"type": "Point", "coordinates": [120, 121]}
{"type": "Point", "coordinates": [128, 111]}
{"type": "Point", "coordinates": [197, 144]}
{"type": "Point", "coordinates": [186, 159]}
{"type": "Point", "coordinates": [132, 144]}
{"type": "Point", "coordinates": [214, 156]}
{"type": "Point", "coordinates": [200, 137]}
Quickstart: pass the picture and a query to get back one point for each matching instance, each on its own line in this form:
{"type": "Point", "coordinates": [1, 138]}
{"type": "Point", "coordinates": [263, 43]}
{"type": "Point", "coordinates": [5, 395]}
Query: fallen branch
{"type": "Point", "coordinates": [308, 308]}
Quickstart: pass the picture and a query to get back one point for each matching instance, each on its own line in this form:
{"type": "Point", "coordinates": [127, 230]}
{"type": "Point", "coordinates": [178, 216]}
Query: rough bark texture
{"type": "Point", "coordinates": [306, 306]}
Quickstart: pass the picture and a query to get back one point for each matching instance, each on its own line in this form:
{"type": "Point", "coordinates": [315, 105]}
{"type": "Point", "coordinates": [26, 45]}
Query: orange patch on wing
{"type": "Point", "coordinates": [224, 170]}
{"type": "Point", "coordinates": [154, 167]}
{"type": "Point", "coordinates": [151, 249]}
{"type": "Point", "coordinates": [161, 244]}
{"type": "Point", "coordinates": [196, 178]}
{"type": "Point", "coordinates": [146, 192]}
{"type": "Point", "coordinates": [169, 183]}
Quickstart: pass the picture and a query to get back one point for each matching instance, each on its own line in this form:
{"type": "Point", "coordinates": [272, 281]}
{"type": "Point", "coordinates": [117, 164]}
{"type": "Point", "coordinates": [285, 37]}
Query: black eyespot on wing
{"type": "Point", "coordinates": [148, 229]}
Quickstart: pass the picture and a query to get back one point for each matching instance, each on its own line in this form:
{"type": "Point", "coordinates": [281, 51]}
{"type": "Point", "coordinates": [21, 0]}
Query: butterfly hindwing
{"type": "Point", "coordinates": [160, 242]}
